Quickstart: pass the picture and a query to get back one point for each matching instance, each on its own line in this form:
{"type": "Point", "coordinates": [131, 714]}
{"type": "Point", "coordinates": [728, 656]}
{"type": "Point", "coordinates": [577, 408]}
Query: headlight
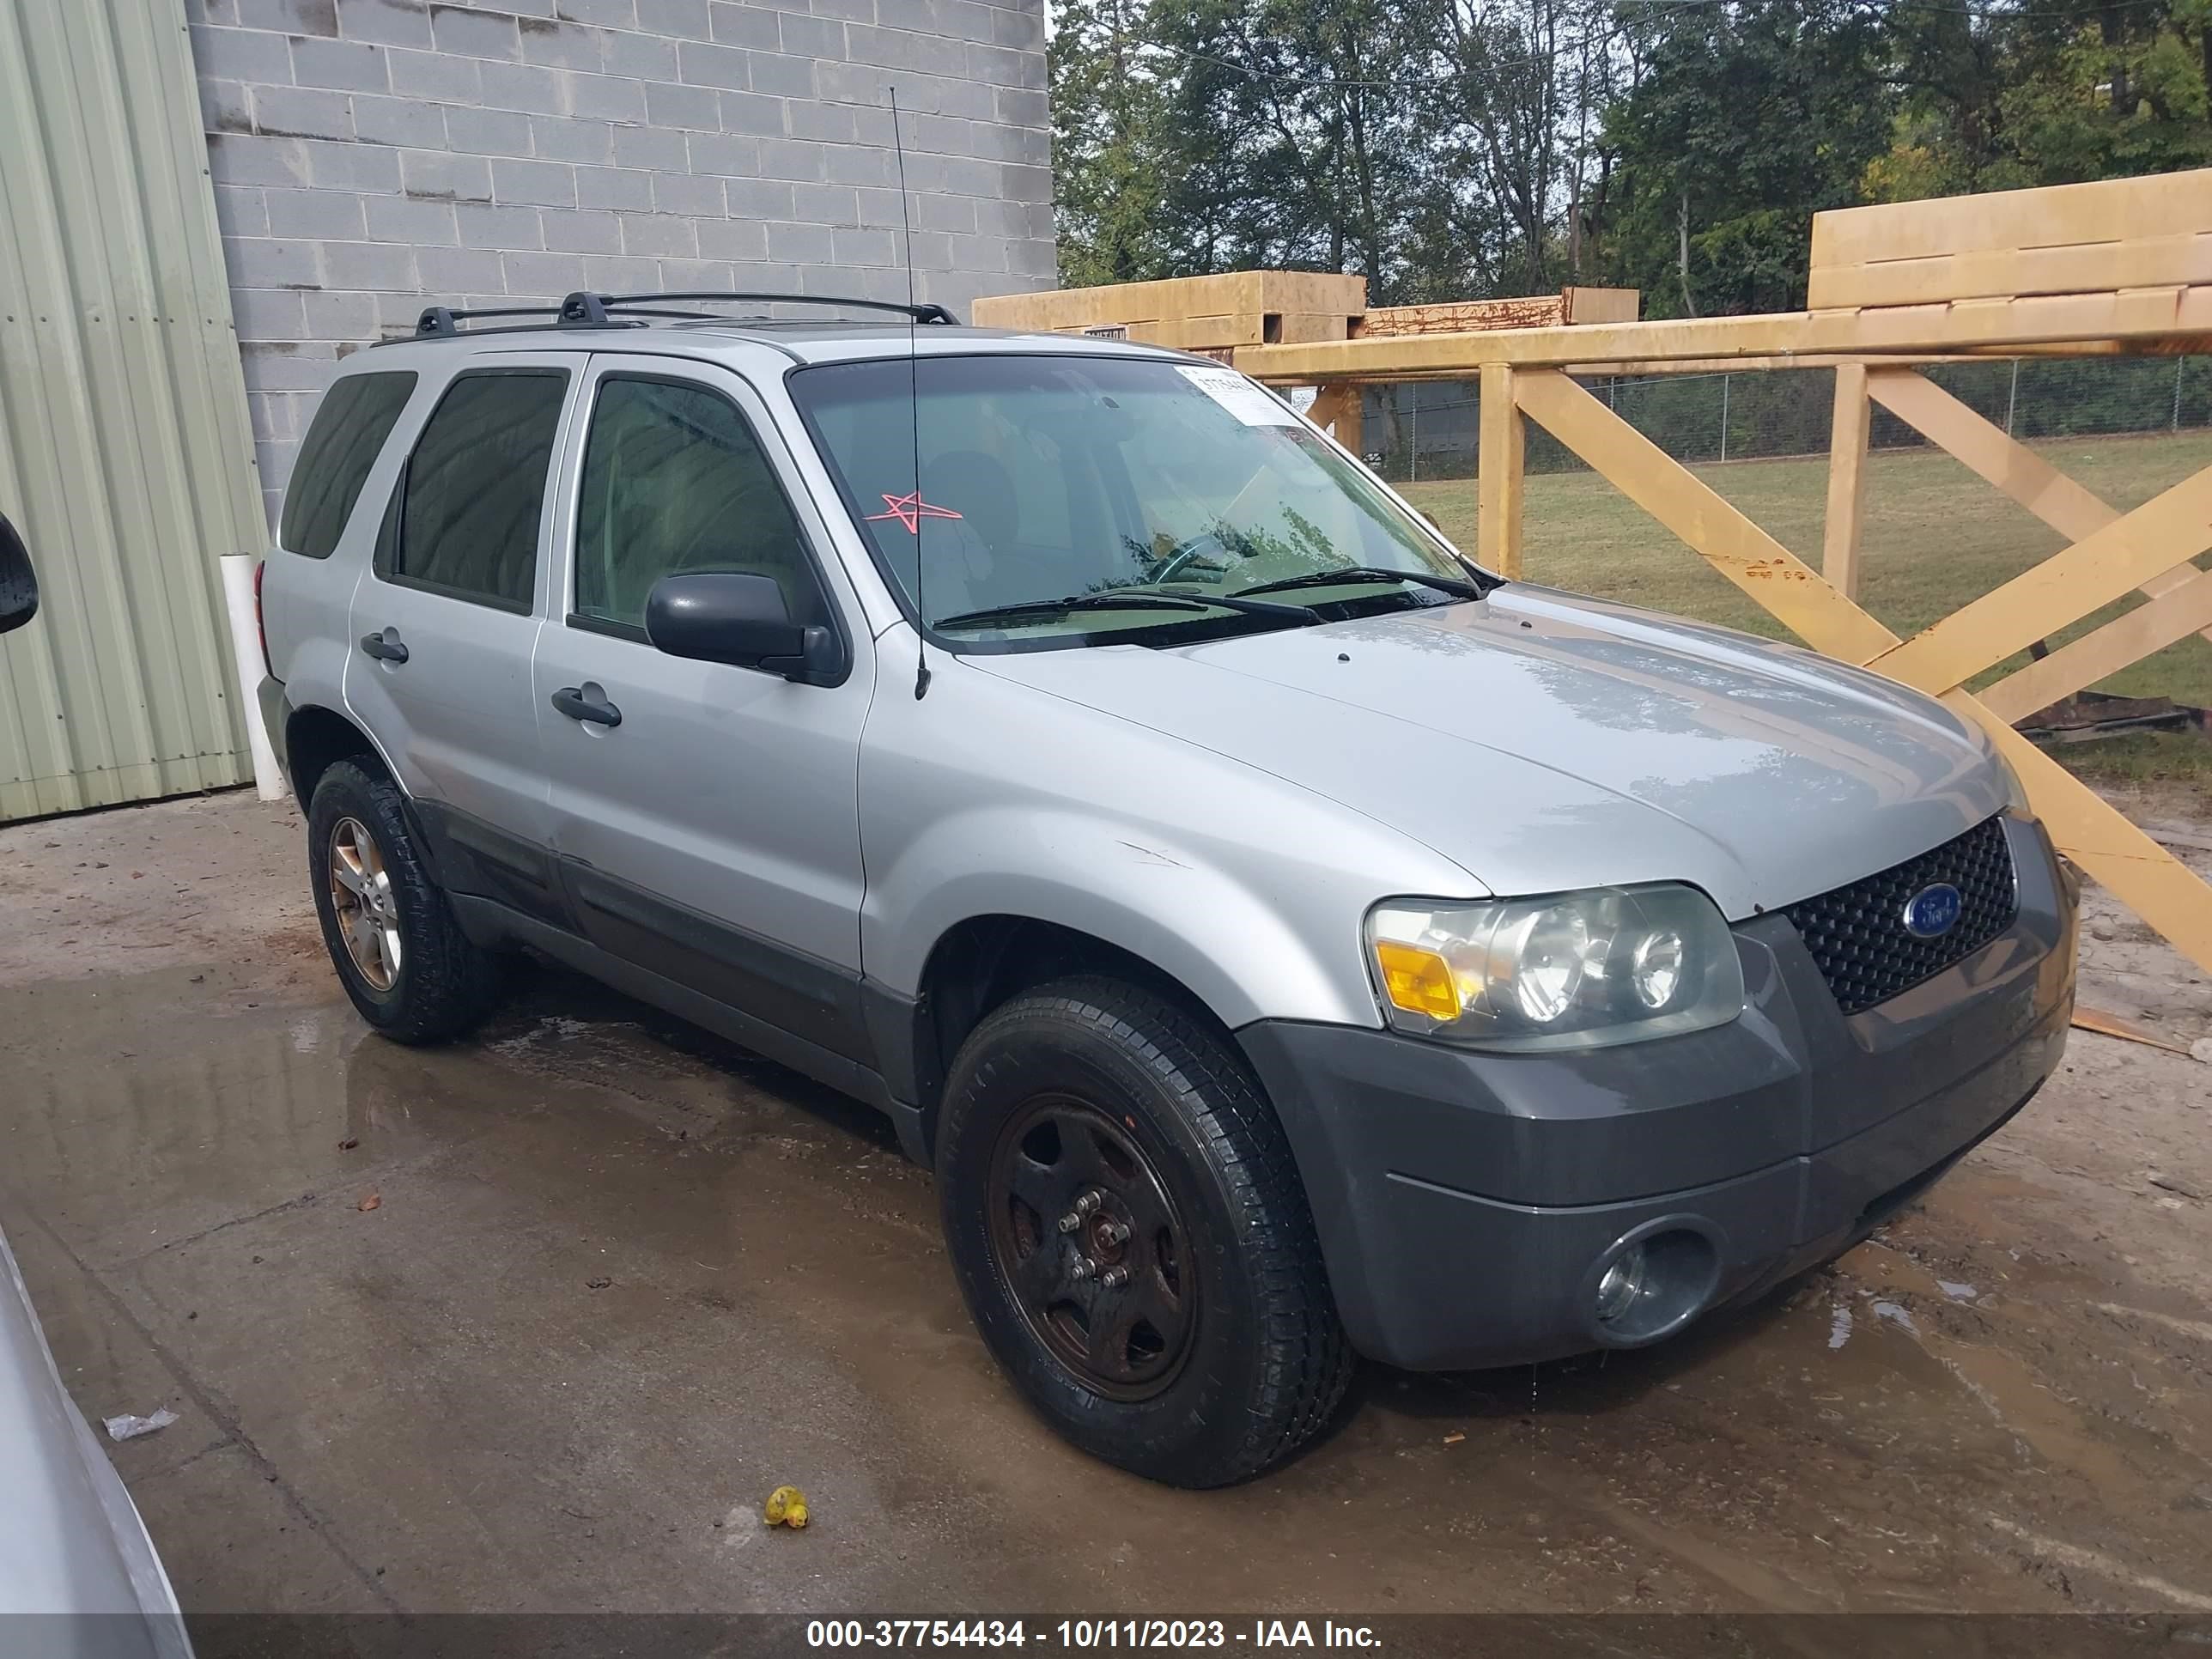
{"type": "Point", "coordinates": [1577, 970]}
{"type": "Point", "coordinates": [2016, 802]}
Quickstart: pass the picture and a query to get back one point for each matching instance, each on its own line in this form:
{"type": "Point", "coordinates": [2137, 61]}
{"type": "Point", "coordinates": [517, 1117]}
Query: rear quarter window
{"type": "Point", "coordinates": [356, 416]}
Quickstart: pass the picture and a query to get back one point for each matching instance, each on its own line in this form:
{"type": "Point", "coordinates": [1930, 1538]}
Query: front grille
{"type": "Point", "coordinates": [1858, 935]}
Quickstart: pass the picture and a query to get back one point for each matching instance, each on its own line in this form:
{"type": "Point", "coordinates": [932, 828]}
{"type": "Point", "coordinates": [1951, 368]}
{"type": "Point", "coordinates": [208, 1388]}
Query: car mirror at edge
{"type": "Point", "coordinates": [19, 583]}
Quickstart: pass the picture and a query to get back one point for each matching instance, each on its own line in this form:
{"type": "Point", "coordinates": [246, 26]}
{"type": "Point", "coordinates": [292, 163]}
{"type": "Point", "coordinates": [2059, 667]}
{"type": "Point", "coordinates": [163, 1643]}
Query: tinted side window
{"type": "Point", "coordinates": [348, 432]}
{"type": "Point", "coordinates": [466, 517]}
{"type": "Point", "coordinates": [674, 480]}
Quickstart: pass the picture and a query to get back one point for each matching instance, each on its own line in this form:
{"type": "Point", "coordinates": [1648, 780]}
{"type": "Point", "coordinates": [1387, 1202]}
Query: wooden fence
{"type": "Point", "coordinates": [2121, 267]}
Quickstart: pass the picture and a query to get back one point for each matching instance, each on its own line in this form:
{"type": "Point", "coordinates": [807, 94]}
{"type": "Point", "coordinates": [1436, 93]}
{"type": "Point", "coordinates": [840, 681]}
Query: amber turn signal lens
{"type": "Point", "coordinates": [1420, 981]}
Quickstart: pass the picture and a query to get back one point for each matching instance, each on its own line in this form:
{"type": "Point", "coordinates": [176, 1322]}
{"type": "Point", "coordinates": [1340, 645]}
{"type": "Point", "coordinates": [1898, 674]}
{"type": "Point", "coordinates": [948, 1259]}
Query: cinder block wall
{"type": "Point", "coordinates": [373, 156]}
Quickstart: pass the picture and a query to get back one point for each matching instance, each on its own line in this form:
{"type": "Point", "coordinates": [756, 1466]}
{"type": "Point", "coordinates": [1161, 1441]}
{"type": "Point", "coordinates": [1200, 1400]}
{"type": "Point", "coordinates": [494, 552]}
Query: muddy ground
{"type": "Point", "coordinates": [620, 1279]}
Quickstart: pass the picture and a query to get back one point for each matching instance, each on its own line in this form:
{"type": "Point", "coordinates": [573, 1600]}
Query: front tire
{"type": "Point", "coordinates": [1130, 1232]}
{"type": "Point", "coordinates": [399, 951]}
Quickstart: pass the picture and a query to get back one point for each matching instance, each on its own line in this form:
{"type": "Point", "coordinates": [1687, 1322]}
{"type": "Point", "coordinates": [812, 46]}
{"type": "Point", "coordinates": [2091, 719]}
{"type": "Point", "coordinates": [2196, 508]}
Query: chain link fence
{"type": "Point", "coordinates": [1427, 430]}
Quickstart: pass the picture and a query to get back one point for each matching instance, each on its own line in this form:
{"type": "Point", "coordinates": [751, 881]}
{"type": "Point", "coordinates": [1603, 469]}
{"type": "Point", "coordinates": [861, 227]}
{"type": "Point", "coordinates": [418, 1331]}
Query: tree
{"type": "Point", "coordinates": [1508, 138]}
{"type": "Point", "coordinates": [1460, 148]}
{"type": "Point", "coordinates": [1288, 138]}
{"type": "Point", "coordinates": [1746, 118]}
{"type": "Point", "coordinates": [2125, 96]}
{"type": "Point", "coordinates": [2022, 96]}
{"type": "Point", "coordinates": [1107, 104]}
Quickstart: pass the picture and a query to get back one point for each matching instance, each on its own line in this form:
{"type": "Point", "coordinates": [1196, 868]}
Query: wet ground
{"type": "Point", "coordinates": [534, 1323]}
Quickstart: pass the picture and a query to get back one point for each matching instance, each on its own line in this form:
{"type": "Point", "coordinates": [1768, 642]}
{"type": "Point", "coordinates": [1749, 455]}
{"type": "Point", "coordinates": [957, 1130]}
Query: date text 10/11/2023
{"type": "Point", "coordinates": [1084, 1634]}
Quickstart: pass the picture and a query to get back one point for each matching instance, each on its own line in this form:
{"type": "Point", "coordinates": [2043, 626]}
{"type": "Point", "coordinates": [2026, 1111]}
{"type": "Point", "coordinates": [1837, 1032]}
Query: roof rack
{"type": "Point", "coordinates": [585, 309]}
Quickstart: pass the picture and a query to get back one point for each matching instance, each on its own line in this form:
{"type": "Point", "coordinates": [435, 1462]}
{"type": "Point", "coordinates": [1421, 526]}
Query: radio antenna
{"type": "Point", "coordinates": [914, 415]}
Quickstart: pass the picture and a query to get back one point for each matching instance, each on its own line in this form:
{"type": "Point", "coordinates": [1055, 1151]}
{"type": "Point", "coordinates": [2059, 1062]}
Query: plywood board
{"type": "Point", "coordinates": [2162, 261]}
{"type": "Point", "coordinates": [1201, 333]}
{"type": "Point", "coordinates": [2113, 210]}
{"type": "Point", "coordinates": [1245, 294]}
{"type": "Point", "coordinates": [1302, 327]}
{"type": "Point", "coordinates": [1603, 304]}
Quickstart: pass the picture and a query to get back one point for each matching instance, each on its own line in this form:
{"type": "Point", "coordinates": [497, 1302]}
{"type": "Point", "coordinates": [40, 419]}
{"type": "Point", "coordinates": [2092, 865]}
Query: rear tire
{"type": "Point", "coordinates": [398, 950]}
{"type": "Point", "coordinates": [1130, 1232]}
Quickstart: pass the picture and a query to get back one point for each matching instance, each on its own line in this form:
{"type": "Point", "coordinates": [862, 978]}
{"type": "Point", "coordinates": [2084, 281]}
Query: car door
{"type": "Point", "coordinates": [706, 816]}
{"type": "Point", "coordinates": [446, 619]}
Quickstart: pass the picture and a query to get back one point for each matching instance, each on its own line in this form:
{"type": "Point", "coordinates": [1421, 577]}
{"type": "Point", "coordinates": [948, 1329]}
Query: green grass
{"type": "Point", "coordinates": [1934, 537]}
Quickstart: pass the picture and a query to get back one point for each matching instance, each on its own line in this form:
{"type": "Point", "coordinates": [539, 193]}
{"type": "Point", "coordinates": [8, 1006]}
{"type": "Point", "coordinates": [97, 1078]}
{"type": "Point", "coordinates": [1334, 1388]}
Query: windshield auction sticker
{"type": "Point", "coordinates": [1248, 402]}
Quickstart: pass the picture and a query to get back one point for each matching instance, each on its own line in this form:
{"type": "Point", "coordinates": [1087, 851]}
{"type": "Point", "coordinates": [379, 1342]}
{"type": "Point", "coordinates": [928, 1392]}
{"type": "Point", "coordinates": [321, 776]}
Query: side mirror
{"type": "Point", "coordinates": [19, 583]}
{"type": "Point", "coordinates": [740, 618]}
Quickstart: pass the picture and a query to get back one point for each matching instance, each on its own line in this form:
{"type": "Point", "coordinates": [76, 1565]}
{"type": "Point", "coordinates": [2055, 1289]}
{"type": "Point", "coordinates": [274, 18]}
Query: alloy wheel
{"type": "Point", "coordinates": [362, 899]}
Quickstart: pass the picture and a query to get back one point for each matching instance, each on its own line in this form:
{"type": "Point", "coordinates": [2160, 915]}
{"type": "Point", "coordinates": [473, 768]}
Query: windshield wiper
{"type": "Point", "coordinates": [1126, 599]}
{"type": "Point", "coordinates": [1369, 573]}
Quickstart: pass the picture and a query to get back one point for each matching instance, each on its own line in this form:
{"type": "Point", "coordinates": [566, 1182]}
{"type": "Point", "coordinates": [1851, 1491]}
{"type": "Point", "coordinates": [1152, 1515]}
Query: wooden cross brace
{"type": "Point", "coordinates": [2180, 595]}
{"type": "Point", "coordinates": [2153, 544]}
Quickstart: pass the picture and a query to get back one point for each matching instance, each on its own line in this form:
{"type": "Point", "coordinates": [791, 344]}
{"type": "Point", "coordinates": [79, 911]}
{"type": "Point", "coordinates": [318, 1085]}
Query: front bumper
{"type": "Point", "coordinates": [1467, 1203]}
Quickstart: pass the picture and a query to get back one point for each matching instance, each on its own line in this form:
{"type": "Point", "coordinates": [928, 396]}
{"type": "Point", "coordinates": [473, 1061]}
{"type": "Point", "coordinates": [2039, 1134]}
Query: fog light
{"type": "Point", "coordinates": [1651, 1281]}
{"type": "Point", "coordinates": [1622, 1283]}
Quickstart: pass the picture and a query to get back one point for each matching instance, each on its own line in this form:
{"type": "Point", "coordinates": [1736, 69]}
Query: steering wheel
{"type": "Point", "coordinates": [1185, 553]}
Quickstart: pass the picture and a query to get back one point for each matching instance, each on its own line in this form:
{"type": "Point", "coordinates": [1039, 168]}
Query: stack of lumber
{"type": "Point", "coordinates": [1215, 315]}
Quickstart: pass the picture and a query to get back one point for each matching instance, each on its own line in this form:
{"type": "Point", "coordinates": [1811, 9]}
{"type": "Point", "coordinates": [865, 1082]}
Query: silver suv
{"type": "Point", "coordinates": [1283, 939]}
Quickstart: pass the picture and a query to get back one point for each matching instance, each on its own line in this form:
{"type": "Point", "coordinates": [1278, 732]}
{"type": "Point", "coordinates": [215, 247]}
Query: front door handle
{"type": "Point", "coordinates": [385, 647]}
{"type": "Point", "coordinates": [586, 702]}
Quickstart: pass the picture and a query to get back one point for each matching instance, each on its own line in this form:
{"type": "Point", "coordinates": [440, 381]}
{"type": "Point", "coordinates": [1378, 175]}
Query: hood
{"type": "Point", "coordinates": [1544, 742]}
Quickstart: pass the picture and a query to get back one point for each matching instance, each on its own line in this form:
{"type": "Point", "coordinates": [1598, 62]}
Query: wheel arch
{"type": "Point", "coordinates": [316, 737]}
{"type": "Point", "coordinates": [984, 961]}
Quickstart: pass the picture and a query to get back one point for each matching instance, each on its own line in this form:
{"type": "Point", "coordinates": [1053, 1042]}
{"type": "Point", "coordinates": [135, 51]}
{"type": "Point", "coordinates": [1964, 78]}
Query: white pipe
{"type": "Point", "coordinates": [246, 651]}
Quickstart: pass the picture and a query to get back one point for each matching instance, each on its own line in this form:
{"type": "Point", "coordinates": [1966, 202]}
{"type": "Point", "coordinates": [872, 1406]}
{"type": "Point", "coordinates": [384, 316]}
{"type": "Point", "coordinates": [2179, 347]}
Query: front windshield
{"type": "Point", "coordinates": [1141, 489]}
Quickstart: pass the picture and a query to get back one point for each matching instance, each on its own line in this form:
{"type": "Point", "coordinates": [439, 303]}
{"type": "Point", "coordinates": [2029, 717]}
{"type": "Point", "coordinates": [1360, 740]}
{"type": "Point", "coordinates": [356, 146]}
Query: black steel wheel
{"type": "Point", "coordinates": [1131, 1235]}
{"type": "Point", "coordinates": [1087, 1237]}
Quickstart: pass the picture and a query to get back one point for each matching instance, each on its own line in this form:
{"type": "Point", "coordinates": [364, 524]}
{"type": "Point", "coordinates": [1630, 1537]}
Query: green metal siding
{"type": "Point", "coordinates": [126, 458]}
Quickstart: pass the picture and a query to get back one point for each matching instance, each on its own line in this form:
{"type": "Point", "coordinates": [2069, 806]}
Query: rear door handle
{"type": "Point", "coordinates": [586, 702]}
{"type": "Point", "coordinates": [385, 647]}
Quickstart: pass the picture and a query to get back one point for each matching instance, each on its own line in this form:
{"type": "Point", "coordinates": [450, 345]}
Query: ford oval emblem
{"type": "Point", "coordinates": [1933, 911]}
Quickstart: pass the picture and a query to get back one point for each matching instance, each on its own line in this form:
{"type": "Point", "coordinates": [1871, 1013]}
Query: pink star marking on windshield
{"type": "Point", "coordinates": [910, 511]}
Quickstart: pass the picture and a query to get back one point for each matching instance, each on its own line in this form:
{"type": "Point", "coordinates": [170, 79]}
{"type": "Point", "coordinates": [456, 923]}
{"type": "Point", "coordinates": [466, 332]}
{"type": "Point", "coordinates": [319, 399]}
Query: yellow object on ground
{"type": "Point", "coordinates": [786, 1507]}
